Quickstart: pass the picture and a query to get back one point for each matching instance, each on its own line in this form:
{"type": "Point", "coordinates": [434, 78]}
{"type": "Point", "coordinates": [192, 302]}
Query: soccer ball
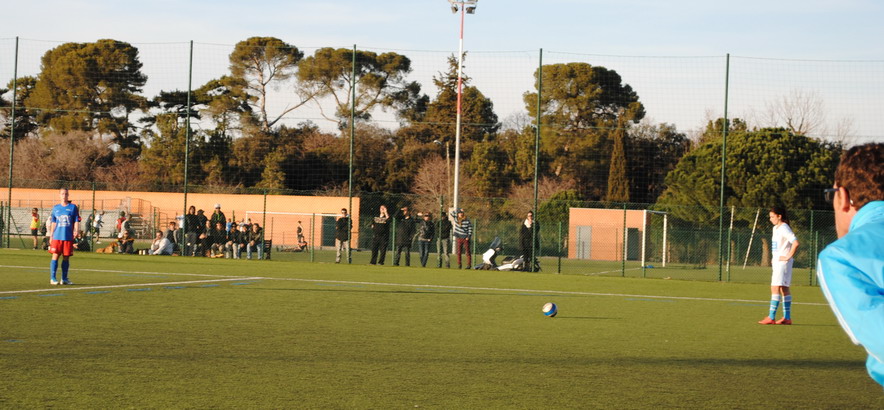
{"type": "Point", "coordinates": [550, 309]}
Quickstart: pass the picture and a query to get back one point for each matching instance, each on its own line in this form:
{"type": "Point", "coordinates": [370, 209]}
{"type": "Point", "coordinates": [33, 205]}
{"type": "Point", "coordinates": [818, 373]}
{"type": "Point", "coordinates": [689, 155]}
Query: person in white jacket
{"type": "Point", "coordinates": [851, 269]}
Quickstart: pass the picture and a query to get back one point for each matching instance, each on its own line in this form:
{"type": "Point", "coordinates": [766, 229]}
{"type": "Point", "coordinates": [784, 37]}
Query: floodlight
{"type": "Point", "coordinates": [453, 8]}
{"type": "Point", "coordinates": [471, 10]}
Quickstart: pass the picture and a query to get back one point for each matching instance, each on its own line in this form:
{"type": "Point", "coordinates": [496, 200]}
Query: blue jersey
{"type": "Point", "coordinates": [851, 273]}
{"type": "Point", "coordinates": [64, 217]}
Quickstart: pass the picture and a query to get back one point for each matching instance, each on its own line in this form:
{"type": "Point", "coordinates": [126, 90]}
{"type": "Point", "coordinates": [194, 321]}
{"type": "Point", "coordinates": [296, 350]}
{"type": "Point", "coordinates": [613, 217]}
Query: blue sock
{"type": "Point", "coordinates": [53, 267]}
{"type": "Point", "coordinates": [774, 304]}
{"type": "Point", "coordinates": [64, 269]}
{"type": "Point", "coordinates": [787, 307]}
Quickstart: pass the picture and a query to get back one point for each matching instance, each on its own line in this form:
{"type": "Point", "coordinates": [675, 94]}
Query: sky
{"type": "Point", "coordinates": [754, 30]}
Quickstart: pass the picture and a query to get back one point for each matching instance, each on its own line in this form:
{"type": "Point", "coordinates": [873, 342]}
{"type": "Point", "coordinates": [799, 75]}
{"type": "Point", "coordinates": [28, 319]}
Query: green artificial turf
{"type": "Point", "coordinates": [141, 331]}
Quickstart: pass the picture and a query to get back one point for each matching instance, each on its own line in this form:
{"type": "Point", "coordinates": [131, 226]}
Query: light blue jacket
{"type": "Point", "coordinates": [851, 275]}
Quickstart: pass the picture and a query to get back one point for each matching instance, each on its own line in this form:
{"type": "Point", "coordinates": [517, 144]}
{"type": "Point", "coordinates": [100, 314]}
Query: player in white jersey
{"type": "Point", "coordinates": [783, 246]}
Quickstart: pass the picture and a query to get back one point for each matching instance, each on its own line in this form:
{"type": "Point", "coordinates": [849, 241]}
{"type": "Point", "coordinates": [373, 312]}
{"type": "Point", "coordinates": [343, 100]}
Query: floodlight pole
{"type": "Point", "coordinates": [455, 7]}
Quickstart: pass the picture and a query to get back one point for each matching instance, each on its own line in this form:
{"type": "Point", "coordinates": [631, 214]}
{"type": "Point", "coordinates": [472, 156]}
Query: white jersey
{"type": "Point", "coordinates": [781, 241]}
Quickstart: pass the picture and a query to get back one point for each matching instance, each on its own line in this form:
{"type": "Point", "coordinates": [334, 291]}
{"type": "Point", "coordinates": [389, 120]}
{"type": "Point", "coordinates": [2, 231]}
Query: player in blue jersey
{"type": "Point", "coordinates": [851, 269]}
{"type": "Point", "coordinates": [63, 222]}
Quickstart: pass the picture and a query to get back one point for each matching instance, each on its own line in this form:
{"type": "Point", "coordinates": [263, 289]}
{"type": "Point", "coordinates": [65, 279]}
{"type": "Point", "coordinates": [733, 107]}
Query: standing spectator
{"type": "Point", "coordinates": [191, 232]}
{"type": "Point", "coordinates": [443, 246]}
{"type": "Point", "coordinates": [232, 236]}
{"type": "Point", "coordinates": [35, 225]}
{"type": "Point", "coordinates": [525, 234]}
{"type": "Point", "coordinates": [218, 216]}
{"type": "Point", "coordinates": [343, 226]}
{"type": "Point", "coordinates": [120, 221]}
{"type": "Point", "coordinates": [425, 234]}
{"type": "Point", "coordinates": [97, 223]}
{"type": "Point", "coordinates": [301, 238]}
{"type": "Point", "coordinates": [784, 244]}
{"type": "Point", "coordinates": [204, 242]}
{"type": "Point", "coordinates": [463, 231]}
{"type": "Point", "coordinates": [63, 222]}
{"type": "Point", "coordinates": [380, 227]}
{"type": "Point", "coordinates": [405, 230]}
{"type": "Point", "coordinates": [161, 245]}
{"type": "Point", "coordinates": [89, 222]}
{"type": "Point", "coordinates": [256, 241]}
{"type": "Point", "coordinates": [850, 269]}
{"type": "Point", "coordinates": [172, 235]}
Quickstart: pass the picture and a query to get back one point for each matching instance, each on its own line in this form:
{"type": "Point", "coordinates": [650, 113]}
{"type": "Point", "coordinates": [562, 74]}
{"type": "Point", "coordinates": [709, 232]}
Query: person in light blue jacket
{"type": "Point", "coordinates": [851, 269]}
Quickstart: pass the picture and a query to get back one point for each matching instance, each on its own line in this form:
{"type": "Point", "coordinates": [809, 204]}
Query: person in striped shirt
{"type": "Point", "coordinates": [463, 231]}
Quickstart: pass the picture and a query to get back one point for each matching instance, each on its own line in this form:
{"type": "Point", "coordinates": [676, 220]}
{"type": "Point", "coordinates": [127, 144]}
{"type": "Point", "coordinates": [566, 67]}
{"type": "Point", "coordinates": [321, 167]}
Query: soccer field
{"type": "Point", "coordinates": [140, 331]}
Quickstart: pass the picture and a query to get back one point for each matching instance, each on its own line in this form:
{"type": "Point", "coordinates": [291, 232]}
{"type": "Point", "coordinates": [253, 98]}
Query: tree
{"type": "Point", "coordinates": [380, 81]}
{"type": "Point", "coordinates": [91, 87]}
{"type": "Point", "coordinates": [25, 119]}
{"type": "Point", "coordinates": [652, 150]}
{"type": "Point", "coordinates": [262, 62]}
{"type": "Point", "coordinates": [618, 185]}
{"type": "Point", "coordinates": [162, 159]}
{"type": "Point", "coordinates": [764, 168]}
{"type": "Point", "coordinates": [580, 105]}
{"type": "Point", "coordinates": [438, 122]}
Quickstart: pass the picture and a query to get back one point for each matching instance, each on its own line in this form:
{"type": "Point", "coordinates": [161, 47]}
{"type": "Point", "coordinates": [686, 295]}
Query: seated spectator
{"type": "Point", "coordinates": [232, 236]}
{"type": "Point", "coordinates": [172, 235]}
{"type": "Point", "coordinates": [256, 242]}
{"type": "Point", "coordinates": [81, 242]}
{"type": "Point", "coordinates": [240, 241]}
{"type": "Point", "coordinates": [125, 243]}
{"type": "Point", "coordinates": [217, 240]}
{"type": "Point", "coordinates": [161, 245]}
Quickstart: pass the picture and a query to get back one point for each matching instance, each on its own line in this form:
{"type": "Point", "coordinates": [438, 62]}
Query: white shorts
{"type": "Point", "coordinates": [782, 273]}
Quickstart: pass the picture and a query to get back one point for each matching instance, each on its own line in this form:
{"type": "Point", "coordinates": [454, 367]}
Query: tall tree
{"type": "Point", "coordinates": [380, 82]}
{"type": "Point", "coordinates": [652, 150]}
{"type": "Point", "coordinates": [580, 106]}
{"type": "Point", "coordinates": [260, 63]}
{"type": "Point", "coordinates": [764, 168]}
{"type": "Point", "coordinates": [91, 87]}
{"type": "Point", "coordinates": [618, 185]}
{"type": "Point", "coordinates": [25, 118]}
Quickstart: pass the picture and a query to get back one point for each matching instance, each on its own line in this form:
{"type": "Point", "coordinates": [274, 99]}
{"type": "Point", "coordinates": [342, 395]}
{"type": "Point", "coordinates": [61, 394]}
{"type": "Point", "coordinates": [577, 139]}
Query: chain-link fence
{"type": "Point", "coordinates": [634, 166]}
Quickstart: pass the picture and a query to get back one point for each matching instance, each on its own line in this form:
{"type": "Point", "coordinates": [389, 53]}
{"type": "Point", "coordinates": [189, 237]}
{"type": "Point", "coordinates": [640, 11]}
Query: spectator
{"type": "Point", "coordinates": [525, 234]}
{"type": "Point", "coordinates": [204, 244]}
{"type": "Point", "coordinates": [405, 230]}
{"type": "Point", "coordinates": [256, 242]}
{"type": "Point", "coordinates": [218, 240]}
{"type": "Point", "coordinates": [191, 232]}
{"type": "Point", "coordinates": [343, 226]}
{"type": "Point", "coordinates": [232, 236]}
{"type": "Point", "coordinates": [443, 246]}
{"type": "Point", "coordinates": [81, 242]}
{"type": "Point", "coordinates": [240, 240]}
{"type": "Point", "coordinates": [97, 224]}
{"type": "Point", "coordinates": [126, 244]}
{"type": "Point", "coordinates": [850, 269]}
{"type": "Point", "coordinates": [380, 227]}
{"type": "Point", "coordinates": [425, 234]}
{"type": "Point", "coordinates": [89, 222]}
{"type": "Point", "coordinates": [218, 216]}
{"type": "Point", "coordinates": [171, 234]}
{"type": "Point", "coordinates": [161, 245]}
{"type": "Point", "coordinates": [120, 220]}
{"type": "Point", "coordinates": [301, 238]}
{"type": "Point", "coordinates": [463, 231]}
{"type": "Point", "coordinates": [35, 225]}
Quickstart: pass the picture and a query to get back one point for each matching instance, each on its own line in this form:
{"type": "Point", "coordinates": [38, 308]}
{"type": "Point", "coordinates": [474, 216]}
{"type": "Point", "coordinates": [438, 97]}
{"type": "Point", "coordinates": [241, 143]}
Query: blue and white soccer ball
{"type": "Point", "coordinates": [550, 309]}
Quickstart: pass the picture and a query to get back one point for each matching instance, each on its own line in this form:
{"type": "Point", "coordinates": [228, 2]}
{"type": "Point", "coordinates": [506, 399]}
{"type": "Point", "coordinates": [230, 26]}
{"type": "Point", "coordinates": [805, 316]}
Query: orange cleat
{"type": "Point", "coordinates": [767, 321]}
{"type": "Point", "coordinates": [784, 321]}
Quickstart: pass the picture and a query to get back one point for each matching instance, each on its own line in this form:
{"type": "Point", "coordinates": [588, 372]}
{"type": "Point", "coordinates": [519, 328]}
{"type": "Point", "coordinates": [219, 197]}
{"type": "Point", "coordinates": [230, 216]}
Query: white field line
{"type": "Point", "coordinates": [410, 285]}
{"type": "Point", "coordinates": [132, 285]}
{"type": "Point", "coordinates": [557, 292]}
